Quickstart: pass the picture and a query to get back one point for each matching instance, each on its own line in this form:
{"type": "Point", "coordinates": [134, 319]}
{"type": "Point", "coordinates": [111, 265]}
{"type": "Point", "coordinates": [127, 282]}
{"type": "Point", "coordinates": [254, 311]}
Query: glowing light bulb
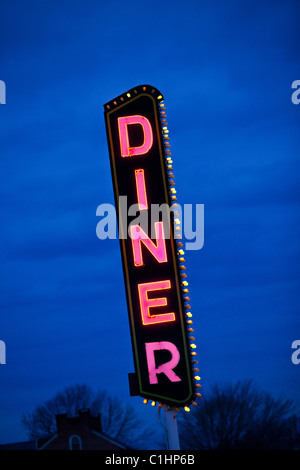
{"type": "Point", "coordinates": [153, 403]}
{"type": "Point", "coordinates": [186, 408]}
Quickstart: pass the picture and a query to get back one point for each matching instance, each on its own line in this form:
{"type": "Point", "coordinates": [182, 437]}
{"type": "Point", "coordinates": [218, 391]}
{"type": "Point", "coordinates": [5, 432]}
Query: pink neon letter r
{"type": "Point", "coordinates": [167, 367]}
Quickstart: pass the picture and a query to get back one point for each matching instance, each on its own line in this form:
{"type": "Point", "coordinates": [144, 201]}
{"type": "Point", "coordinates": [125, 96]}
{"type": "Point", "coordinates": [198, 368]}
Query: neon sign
{"type": "Point", "coordinates": [160, 321]}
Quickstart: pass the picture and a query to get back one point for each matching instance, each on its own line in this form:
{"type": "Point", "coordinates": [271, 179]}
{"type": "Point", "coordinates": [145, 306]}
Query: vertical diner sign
{"type": "Point", "coordinates": [155, 288]}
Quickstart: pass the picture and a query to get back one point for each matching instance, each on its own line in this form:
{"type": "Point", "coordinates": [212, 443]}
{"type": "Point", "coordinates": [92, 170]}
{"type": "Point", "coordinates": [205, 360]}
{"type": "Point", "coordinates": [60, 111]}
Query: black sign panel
{"type": "Point", "coordinates": [154, 285]}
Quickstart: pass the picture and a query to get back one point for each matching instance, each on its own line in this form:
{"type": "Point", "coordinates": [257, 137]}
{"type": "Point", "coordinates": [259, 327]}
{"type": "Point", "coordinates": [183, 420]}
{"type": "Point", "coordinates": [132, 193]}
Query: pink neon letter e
{"type": "Point", "coordinates": [167, 367]}
{"type": "Point", "coordinates": [146, 303]}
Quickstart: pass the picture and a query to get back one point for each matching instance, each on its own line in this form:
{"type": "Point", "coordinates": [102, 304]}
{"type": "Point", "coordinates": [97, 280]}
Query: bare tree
{"type": "Point", "coordinates": [117, 420]}
{"type": "Point", "coordinates": [240, 416]}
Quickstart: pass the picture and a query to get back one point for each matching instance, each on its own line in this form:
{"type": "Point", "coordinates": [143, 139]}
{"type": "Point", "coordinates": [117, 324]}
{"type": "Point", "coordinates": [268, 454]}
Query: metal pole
{"type": "Point", "coordinates": [172, 430]}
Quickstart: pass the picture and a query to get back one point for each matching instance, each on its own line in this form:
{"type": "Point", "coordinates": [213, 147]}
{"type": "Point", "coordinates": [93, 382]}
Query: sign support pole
{"type": "Point", "coordinates": [172, 429]}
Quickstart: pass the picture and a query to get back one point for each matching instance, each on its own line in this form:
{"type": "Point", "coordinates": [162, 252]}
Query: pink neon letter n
{"type": "Point", "coordinates": [158, 250]}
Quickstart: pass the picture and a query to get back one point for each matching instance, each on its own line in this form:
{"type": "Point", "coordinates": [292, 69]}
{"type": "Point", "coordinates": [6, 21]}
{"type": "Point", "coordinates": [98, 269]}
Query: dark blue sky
{"type": "Point", "coordinates": [225, 70]}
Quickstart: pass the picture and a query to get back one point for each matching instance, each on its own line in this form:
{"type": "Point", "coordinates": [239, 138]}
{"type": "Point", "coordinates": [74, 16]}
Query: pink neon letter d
{"type": "Point", "coordinates": [167, 367]}
{"type": "Point", "coordinates": [123, 123]}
